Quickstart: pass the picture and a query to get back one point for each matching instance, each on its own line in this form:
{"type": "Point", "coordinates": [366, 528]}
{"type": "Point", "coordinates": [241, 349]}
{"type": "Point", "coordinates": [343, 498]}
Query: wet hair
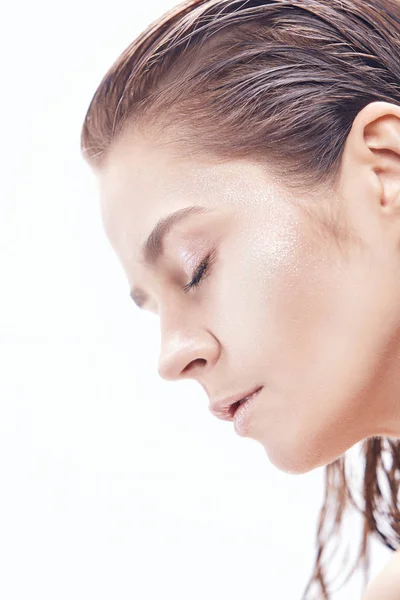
{"type": "Point", "coordinates": [278, 82]}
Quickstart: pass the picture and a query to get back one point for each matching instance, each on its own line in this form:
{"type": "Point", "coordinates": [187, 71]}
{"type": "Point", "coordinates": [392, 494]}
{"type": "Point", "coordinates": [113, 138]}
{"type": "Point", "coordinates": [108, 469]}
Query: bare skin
{"type": "Point", "coordinates": [281, 306]}
{"type": "Point", "coordinates": [386, 585]}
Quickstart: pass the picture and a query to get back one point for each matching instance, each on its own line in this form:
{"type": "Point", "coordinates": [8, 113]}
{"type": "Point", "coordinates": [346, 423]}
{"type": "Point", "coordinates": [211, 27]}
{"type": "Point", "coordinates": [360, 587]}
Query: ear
{"type": "Point", "coordinates": [372, 151]}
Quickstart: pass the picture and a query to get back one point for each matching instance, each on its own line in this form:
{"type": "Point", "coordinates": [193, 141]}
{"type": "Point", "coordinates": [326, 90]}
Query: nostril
{"type": "Point", "coordinates": [194, 364]}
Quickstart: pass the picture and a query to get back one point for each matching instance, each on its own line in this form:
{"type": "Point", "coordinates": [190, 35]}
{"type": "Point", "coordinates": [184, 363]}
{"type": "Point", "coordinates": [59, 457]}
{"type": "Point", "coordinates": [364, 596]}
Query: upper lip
{"type": "Point", "coordinates": [223, 408]}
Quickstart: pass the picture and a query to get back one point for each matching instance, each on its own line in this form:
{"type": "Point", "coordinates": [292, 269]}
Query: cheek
{"type": "Point", "coordinates": [251, 305]}
{"type": "Point", "coordinates": [329, 318]}
{"type": "Point", "coordinates": [326, 346]}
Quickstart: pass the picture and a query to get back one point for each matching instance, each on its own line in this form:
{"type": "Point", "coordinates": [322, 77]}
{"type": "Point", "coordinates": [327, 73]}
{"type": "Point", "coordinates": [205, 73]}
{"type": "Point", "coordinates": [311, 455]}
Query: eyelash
{"type": "Point", "coordinates": [201, 271]}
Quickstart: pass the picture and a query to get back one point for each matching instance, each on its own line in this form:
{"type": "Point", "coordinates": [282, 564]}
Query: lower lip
{"type": "Point", "coordinates": [243, 414]}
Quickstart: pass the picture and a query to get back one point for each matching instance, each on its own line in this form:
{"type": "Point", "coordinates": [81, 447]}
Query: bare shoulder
{"type": "Point", "coordinates": [386, 585]}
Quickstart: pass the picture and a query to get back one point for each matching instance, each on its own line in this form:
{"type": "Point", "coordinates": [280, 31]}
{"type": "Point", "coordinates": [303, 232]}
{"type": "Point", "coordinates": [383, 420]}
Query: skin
{"type": "Point", "coordinates": [386, 585]}
{"type": "Point", "coordinates": [283, 306]}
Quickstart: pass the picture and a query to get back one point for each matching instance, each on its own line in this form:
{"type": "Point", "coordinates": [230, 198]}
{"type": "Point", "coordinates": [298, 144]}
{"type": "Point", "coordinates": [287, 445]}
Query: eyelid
{"type": "Point", "coordinates": [189, 248]}
{"type": "Point", "coordinates": [191, 260]}
{"type": "Point", "coordinates": [186, 248]}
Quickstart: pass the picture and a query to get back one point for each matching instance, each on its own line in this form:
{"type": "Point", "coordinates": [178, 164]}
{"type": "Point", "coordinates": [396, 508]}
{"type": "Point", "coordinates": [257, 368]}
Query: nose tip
{"type": "Point", "coordinates": [168, 368]}
{"type": "Point", "coordinates": [186, 355]}
{"type": "Point", "coordinates": [164, 371]}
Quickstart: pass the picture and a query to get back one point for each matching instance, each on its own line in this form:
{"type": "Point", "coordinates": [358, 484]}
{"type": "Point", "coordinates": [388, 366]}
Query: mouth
{"type": "Point", "coordinates": [226, 409]}
{"type": "Point", "coordinates": [236, 405]}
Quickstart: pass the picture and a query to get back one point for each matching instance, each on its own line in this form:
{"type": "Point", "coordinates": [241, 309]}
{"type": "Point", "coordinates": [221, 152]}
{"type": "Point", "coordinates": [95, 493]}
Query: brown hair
{"type": "Point", "coordinates": [280, 82]}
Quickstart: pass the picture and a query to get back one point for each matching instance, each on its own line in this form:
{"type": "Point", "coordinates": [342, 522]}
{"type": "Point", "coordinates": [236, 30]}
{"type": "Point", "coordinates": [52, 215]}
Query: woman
{"type": "Point", "coordinates": [279, 122]}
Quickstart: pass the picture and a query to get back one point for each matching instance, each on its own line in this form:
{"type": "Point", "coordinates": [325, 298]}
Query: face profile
{"type": "Point", "coordinates": [279, 305]}
{"type": "Point", "coordinates": [248, 156]}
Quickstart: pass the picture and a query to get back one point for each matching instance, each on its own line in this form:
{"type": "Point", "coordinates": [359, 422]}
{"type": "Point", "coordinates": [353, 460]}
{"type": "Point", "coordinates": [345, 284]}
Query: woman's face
{"type": "Point", "coordinates": [282, 305]}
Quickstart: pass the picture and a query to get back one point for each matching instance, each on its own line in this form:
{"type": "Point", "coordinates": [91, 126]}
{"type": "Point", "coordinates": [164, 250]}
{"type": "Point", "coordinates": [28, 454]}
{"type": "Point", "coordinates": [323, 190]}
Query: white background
{"type": "Point", "coordinates": [115, 484]}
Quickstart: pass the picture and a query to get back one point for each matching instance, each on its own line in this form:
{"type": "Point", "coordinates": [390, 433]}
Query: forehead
{"type": "Point", "coordinates": [131, 181]}
{"type": "Point", "coordinates": [141, 183]}
{"type": "Point", "coordinates": [139, 186]}
{"type": "Point", "coordinates": [138, 174]}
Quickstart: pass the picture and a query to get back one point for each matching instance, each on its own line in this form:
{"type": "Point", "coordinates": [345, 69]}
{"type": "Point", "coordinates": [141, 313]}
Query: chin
{"type": "Point", "coordinates": [298, 459]}
{"type": "Point", "coordinates": [292, 465]}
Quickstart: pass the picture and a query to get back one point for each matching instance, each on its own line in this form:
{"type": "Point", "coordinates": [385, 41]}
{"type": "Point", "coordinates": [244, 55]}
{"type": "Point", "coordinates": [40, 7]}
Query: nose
{"type": "Point", "coordinates": [187, 356]}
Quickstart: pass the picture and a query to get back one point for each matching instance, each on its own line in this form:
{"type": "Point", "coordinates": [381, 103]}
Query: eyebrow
{"type": "Point", "coordinates": [153, 247]}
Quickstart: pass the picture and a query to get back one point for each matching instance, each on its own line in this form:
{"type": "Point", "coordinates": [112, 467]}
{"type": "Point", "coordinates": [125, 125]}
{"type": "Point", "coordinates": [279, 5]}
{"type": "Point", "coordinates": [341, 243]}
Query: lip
{"type": "Point", "coordinates": [223, 409]}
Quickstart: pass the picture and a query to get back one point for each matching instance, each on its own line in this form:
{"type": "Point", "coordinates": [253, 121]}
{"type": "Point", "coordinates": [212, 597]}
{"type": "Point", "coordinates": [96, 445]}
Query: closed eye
{"type": "Point", "coordinates": [202, 270]}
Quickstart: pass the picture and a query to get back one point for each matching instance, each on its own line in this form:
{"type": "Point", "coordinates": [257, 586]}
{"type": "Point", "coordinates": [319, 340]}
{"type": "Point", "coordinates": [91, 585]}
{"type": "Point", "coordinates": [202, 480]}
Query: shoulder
{"type": "Point", "coordinates": [386, 585]}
